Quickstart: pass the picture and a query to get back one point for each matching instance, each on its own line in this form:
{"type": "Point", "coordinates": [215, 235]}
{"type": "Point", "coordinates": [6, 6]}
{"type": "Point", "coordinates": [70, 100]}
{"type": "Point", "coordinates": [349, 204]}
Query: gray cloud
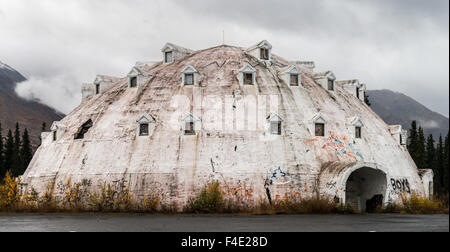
{"type": "Point", "coordinates": [401, 45]}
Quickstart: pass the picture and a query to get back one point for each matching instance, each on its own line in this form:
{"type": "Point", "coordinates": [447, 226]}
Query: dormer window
{"type": "Point", "coordinates": [57, 130]}
{"type": "Point", "coordinates": [264, 54]}
{"type": "Point", "coordinates": [320, 129]}
{"type": "Point", "coordinates": [189, 127]}
{"type": "Point", "coordinates": [55, 135]}
{"type": "Point", "coordinates": [357, 127]}
{"type": "Point", "coordinates": [358, 132]}
{"type": "Point", "coordinates": [248, 78]}
{"type": "Point", "coordinates": [97, 89]}
{"type": "Point", "coordinates": [276, 125]}
{"type": "Point", "coordinates": [190, 76]}
{"type": "Point", "coordinates": [146, 125]}
{"type": "Point", "coordinates": [247, 75]}
{"type": "Point", "coordinates": [144, 129]}
{"type": "Point", "coordinates": [133, 82]}
{"type": "Point", "coordinates": [275, 128]}
{"type": "Point", "coordinates": [330, 84]}
{"type": "Point", "coordinates": [319, 126]}
{"type": "Point", "coordinates": [168, 57]}
{"type": "Point", "coordinates": [261, 51]}
{"type": "Point", "coordinates": [189, 79]}
{"type": "Point", "coordinates": [358, 90]}
{"type": "Point", "coordinates": [294, 80]}
{"type": "Point", "coordinates": [291, 76]}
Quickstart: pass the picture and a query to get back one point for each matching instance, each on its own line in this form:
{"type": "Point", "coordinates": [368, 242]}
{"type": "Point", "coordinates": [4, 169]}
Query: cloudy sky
{"type": "Point", "coordinates": [402, 45]}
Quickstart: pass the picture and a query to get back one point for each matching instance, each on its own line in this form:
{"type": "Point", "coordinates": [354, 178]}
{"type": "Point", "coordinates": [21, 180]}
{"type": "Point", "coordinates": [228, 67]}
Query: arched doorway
{"type": "Point", "coordinates": [366, 189]}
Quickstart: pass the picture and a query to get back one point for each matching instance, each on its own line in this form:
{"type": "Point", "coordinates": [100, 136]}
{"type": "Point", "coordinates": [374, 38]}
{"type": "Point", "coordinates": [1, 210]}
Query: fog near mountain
{"type": "Point", "coordinates": [28, 113]}
{"type": "Point", "coordinates": [397, 108]}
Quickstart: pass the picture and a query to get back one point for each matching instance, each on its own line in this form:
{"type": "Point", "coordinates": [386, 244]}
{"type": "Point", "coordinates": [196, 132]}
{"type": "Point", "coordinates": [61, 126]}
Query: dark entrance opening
{"type": "Point", "coordinates": [133, 82]}
{"type": "Point", "coordinates": [84, 129]}
{"type": "Point", "coordinates": [366, 189]}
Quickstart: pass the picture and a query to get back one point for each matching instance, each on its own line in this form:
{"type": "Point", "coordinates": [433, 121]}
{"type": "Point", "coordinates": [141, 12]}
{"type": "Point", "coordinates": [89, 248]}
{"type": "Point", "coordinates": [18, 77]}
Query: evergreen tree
{"type": "Point", "coordinates": [431, 161]}
{"type": "Point", "coordinates": [9, 152]}
{"type": "Point", "coordinates": [17, 160]}
{"type": "Point", "coordinates": [446, 166]}
{"type": "Point", "coordinates": [421, 150]}
{"type": "Point", "coordinates": [25, 152]}
{"type": "Point", "coordinates": [440, 166]}
{"type": "Point", "coordinates": [413, 140]}
{"type": "Point", "coordinates": [2, 162]}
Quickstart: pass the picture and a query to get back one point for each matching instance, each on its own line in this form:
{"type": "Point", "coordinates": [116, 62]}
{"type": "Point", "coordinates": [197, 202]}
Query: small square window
{"type": "Point", "coordinates": [133, 82]}
{"type": "Point", "coordinates": [275, 128]}
{"type": "Point", "coordinates": [144, 129]}
{"type": "Point", "coordinates": [358, 132]}
{"type": "Point", "coordinates": [248, 78]}
{"type": "Point", "coordinates": [331, 85]}
{"type": "Point", "coordinates": [189, 79]}
{"type": "Point", "coordinates": [168, 57]}
{"type": "Point", "coordinates": [294, 80]}
{"type": "Point", "coordinates": [190, 128]}
{"type": "Point", "coordinates": [320, 129]}
{"type": "Point", "coordinates": [264, 54]}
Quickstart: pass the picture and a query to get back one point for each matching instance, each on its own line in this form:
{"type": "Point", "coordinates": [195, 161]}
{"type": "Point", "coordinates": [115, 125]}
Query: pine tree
{"type": "Point", "coordinates": [413, 140]}
{"type": "Point", "coordinates": [440, 166]}
{"type": "Point", "coordinates": [431, 161]}
{"type": "Point", "coordinates": [446, 165]}
{"type": "Point", "coordinates": [2, 162]}
{"type": "Point", "coordinates": [17, 160]}
{"type": "Point", "coordinates": [9, 152]}
{"type": "Point", "coordinates": [421, 150]}
{"type": "Point", "coordinates": [25, 152]}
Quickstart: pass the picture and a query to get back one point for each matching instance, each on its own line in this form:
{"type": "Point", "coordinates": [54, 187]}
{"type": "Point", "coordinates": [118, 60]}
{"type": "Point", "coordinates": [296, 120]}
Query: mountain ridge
{"type": "Point", "coordinates": [398, 108]}
{"type": "Point", "coordinates": [29, 114]}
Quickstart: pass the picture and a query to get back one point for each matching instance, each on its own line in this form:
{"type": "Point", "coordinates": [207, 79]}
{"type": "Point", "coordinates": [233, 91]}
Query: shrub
{"type": "Point", "coordinates": [210, 200]}
{"type": "Point", "coordinates": [9, 192]}
{"type": "Point", "coordinates": [416, 205]}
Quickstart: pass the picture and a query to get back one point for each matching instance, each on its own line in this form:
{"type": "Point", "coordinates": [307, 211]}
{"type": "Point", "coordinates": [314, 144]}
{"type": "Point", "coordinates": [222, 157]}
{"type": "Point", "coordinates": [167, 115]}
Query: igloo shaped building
{"type": "Point", "coordinates": [262, 126]}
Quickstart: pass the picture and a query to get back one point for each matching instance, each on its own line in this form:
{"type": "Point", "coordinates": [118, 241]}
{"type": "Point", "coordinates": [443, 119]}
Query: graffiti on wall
{"type": "Point", "coordinates": [240, 190]}
{"type": "Point", "coordinates": [335, 146]}
{"type": "Point", "coordinates": [278, 176]}
{"type": "Point", "coordinates": [400, 185]}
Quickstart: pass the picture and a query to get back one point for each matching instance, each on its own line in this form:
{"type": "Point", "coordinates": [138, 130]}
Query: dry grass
{"type": "Point", "coordinates": [211, 200]}
{"type": "Point", "coordinates": [416, 205]}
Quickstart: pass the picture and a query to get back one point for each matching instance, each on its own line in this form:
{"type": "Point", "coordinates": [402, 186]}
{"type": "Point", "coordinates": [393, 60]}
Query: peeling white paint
{"type": "Point", "coordinates": [247, 161]}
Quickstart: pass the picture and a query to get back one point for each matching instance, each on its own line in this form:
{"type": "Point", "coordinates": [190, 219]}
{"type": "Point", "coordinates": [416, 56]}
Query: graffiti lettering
{"type": "Point", "coordinates": [331, 185]}
{"type": "Point", "coordinates": [401, 185]}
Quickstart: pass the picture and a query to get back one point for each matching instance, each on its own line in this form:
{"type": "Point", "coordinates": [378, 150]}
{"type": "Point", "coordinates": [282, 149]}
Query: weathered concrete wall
{"type": "Point", "coordinates": [248, 161]}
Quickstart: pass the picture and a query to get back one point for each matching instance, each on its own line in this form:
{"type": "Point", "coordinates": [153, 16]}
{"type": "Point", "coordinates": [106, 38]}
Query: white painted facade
{"type": "Point", "coordinates": [242, 154]}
